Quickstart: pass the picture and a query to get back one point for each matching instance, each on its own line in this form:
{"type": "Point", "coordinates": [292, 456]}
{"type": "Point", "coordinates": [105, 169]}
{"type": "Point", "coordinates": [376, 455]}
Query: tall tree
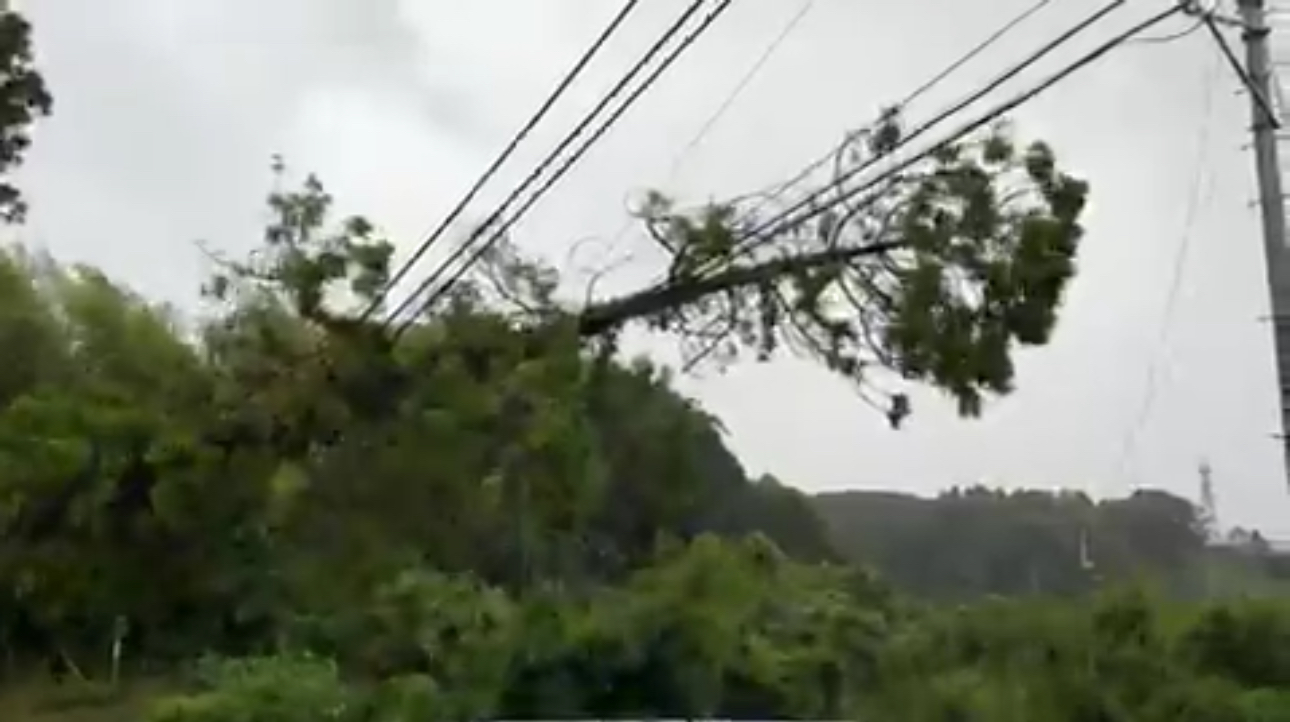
{"type": "Point", "coordinates": [23, 98]}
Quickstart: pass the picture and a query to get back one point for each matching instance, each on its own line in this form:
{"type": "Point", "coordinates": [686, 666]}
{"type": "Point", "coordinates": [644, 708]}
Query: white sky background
{"type": "Point", "coordinates": [168, 112]}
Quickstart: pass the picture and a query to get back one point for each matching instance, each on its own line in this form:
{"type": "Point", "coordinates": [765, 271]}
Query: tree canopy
{"type": "Point", "coordinates": [967, 543]}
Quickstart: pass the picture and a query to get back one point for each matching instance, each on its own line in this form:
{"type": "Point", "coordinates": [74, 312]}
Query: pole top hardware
{"type": "Point", "coordinates": [1196, 9]}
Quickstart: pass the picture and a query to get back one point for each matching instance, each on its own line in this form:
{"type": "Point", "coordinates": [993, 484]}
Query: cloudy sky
{"type": "Point", "coordinates": [168, 113]}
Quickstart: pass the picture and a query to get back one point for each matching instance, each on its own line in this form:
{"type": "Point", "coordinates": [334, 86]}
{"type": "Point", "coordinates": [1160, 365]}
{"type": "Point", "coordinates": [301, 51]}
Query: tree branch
{"type": "Point", "coordinates": [602, 317]}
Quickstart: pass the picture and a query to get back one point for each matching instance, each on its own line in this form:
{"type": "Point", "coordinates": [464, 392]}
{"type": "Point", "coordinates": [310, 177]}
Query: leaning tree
{"type": "Point", "coordinates": [934, 272]}
{"type": "Point", "coordinates": [929, 267]}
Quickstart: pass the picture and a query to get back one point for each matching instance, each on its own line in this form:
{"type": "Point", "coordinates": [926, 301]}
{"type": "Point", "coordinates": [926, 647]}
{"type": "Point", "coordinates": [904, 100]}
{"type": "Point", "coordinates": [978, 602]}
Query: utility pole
{"type": "Point", "coordinates": [1272, 205]}
{"type": "Point", "coordinates": [1209, 517]}
{"type": "Point", "coordinates": [1208, 501]}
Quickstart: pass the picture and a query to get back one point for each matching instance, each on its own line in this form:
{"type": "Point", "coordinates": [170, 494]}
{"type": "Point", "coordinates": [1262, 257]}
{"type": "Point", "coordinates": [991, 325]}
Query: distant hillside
{"type": "Point", "coordinates": [976, 541]}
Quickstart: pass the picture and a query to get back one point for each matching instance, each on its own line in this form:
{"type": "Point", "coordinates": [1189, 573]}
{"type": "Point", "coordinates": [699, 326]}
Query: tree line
{"type": "Point", "coordinates": [971, 542]}
{"type": "Point", "coordinates": [545, 536]}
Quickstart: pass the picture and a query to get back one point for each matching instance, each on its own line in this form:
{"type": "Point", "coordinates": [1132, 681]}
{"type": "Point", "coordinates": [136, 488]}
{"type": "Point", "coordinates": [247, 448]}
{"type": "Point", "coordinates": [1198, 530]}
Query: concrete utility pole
{"type": "Point", "coordinates": [1271, 200]}
{"type": "Point", "coordinates": [1209, 512]}
{"type": "Point", "coordinates": [1208, 502]}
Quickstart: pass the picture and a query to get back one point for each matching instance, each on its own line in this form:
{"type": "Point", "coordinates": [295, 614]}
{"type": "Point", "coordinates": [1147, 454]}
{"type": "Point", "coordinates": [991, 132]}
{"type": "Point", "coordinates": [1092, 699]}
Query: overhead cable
{"type": "Point", "coordinates": [1199, 194]}
{"type": "Point", "coordinates": [1170, 37]}
{"type": "Point", "coordinates": [785, 219]}
{"type": "Point", "coordinates": [552, 98]}
{"type": "Point", "coordinates": [983, 120]}
{"type": "Point", "coordinates": [728, 102]}
{"type": "Point", "coordinates": [909, 98]}
{"type": "Point", "coordinates": [995, 113]}
{"type": "Point", "coordinates": [659, 44]}
{"type": "Point", "coordinates": [599, 133]}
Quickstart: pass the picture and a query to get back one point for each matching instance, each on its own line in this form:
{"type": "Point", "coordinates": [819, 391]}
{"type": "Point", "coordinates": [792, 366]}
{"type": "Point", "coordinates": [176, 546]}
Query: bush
{"type": "Point", "coordinates": [263, 689]}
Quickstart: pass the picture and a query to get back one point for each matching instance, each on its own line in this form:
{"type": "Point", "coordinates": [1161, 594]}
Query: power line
{"type": "Point", "coordinates": [1170, 37]}
{"type": "Point", "coordinates": [992, 115]}
{"type": "Point", "coordinates": [981, 47]}
{"type": "Point", "coordinates": [784, 220]}
{"type": "Point", "coordinates": [994, 37]}
{"type": "Point", "coordinates": [727, 103]}
{"type": "Point", "coordinates": [613, 119]}
{"type": "Point", "coordinates": [506, 153]}
{"type": "Point", "coordinates": [1198, 196]}
{"type": "Point", "coordinates": [753, 71]}
{"type": "Point", "coordinates": [560, 148]}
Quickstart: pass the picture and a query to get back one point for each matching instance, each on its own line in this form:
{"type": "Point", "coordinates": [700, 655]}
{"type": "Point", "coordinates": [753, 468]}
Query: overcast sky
{"type": "Point", "coordinates": [168, 113]}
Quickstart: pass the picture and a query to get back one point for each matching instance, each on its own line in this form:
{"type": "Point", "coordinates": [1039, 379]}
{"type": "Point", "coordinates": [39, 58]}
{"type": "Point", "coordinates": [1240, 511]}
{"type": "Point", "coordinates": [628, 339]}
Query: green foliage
{"type": "Point", "coordinates": [197, 483]}
{"type": "Point", "coordinates": [23, 98]}
{"type": "Point", "coordinates": [967, 543]}
{"type": "Point", "coordinates": [273, 689]}
{"type": "Point", "coordinates": [713, 627]}
{"type": "Point", "coordinates": [936, 275]}
{"type": "Point", "coordinates": [1118, 659]}
{"type": "Point", "coordinates": [736, 631]}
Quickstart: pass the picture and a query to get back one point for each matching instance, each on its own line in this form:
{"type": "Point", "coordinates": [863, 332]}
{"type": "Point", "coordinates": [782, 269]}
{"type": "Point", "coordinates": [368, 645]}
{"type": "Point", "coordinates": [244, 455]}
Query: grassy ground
{"type": "Point", "coordinates": [42, 700]}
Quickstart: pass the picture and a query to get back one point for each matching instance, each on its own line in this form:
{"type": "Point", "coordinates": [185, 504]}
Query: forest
{"type": "Point", "coordinates": [974, 542]}
{"type": "Point", "coordinates": [272, 509]}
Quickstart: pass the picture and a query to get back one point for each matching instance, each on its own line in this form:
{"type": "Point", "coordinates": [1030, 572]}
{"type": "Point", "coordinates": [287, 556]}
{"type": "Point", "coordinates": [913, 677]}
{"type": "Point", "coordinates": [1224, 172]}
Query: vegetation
{"type": "Point", "coordinates": [967, 543]}
{"type": "Point", "coordinates": [284, 510]}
